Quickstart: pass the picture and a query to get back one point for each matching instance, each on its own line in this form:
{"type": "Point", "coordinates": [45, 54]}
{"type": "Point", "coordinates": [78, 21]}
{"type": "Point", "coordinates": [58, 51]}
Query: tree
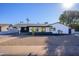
{"type": "Point", "coordinates": [69, 17]}
{"type": "Point", "coordinates": [62, 18]}
{"type": "Point", "coordinates": [33, 31]}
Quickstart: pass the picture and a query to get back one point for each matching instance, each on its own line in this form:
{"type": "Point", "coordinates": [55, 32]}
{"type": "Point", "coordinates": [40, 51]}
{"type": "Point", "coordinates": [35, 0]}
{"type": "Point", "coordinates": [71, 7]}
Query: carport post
{"type": "Point", "coordinates": [19, 31]}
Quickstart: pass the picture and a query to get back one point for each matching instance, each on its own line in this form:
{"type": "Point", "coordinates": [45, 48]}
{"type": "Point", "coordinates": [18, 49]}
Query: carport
{"type": "Point", "coordinates": [24, 29]}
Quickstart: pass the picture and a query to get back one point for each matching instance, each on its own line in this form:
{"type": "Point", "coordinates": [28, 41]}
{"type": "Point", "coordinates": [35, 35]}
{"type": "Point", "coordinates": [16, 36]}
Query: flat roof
{"type": "Point", "coordinates": [5, 24]}
{"type": "Point", "coordinates": [32, 25]}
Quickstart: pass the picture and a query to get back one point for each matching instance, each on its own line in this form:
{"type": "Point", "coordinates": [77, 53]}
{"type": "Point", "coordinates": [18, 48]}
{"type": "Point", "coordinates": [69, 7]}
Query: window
{"type": "Point", "coordinates": [37, 29]}
{"type": "Point", "coordinates": [59, 31]}
{"type": "Point", "coordinates": [54, 29]}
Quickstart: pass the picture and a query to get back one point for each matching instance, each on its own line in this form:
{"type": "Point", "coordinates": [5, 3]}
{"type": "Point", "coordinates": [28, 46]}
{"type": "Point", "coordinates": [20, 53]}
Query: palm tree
{"type": "Point", "coordinates": [21, 22]}
{"type": "Point", "coordinates": [27, 19]}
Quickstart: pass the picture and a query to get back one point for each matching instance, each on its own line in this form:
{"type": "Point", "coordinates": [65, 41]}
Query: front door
{"type": "Point", "coordinates": [69, 31]}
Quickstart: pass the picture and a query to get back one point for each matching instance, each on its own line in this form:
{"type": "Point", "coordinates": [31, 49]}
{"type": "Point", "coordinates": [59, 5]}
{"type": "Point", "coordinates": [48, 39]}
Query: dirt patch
{"type": "Point", "coordinates": [22, 46]}
{"type": "Point", "coordinates": [22, 50]}
{"type": "Point", "coordinates": [24, 41]}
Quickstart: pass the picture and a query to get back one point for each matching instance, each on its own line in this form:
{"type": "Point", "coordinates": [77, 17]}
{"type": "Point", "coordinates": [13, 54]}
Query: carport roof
{"type": "Point", "coordinates": [32, 25]}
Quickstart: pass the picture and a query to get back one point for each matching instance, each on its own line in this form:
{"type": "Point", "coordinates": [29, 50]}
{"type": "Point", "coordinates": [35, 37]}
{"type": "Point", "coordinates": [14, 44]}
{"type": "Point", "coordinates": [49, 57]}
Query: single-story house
{"type": "Point", "coordinates": [60, 28]}
{"type": "Point", "coordinates": [33, 27]}
{"type": "Point", "coordinates": [4, 27]}
{"type": "Point", "coordinates": [55, 28]}
{"type": "Point", "coordinates": [7, 29]}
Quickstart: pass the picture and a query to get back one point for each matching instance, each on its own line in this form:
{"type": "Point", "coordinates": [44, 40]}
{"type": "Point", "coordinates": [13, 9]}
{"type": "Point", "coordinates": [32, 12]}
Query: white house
{"type": "Point", "coordinates": [55, 28]}
{"type": "Point", "coordinates": [33, 27]}
{"type": "Point", "coordinates": [59, 28]}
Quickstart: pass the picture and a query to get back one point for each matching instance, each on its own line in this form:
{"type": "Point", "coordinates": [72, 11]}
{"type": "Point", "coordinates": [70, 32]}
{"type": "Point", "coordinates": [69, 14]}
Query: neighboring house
{"type": "Point", "coordinates": [4, 27]}
{"type": "Point", "coordinates": [60, 28]}
{"type": "Point", "coordinates": [33, 27]}
{"type": "Point", "coordinates": [7, 29]}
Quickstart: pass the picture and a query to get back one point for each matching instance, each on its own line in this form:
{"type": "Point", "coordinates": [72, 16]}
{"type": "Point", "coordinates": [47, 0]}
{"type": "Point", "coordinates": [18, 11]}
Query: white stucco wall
{"type": "Point", "coordinates": [47, 29]}
{"type": "Point", "coordinates": [63, 28]}
{"type": "Point", "coordinates": [30, 29]}
{"type": "Point", "coordinates": [4, 28]}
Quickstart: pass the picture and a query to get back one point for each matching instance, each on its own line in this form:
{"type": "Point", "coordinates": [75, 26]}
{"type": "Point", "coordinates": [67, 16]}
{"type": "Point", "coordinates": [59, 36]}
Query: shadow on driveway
{"type": "Point", "coordinates": [64, 45]}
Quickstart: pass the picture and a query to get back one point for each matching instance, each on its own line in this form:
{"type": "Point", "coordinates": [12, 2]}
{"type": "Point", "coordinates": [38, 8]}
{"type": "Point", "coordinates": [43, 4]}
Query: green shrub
{"type": "Point", "coordinates": [75, 26]}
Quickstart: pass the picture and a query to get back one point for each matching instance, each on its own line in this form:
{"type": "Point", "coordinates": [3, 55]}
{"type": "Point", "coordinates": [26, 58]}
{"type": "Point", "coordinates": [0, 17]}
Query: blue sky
{"type": "Point", "coordinates": [37, 13]}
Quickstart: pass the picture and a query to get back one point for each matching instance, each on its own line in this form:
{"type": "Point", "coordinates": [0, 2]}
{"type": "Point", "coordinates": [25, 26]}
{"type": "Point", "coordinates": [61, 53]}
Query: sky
{"type": "Point", "coordinates": [12, 13]}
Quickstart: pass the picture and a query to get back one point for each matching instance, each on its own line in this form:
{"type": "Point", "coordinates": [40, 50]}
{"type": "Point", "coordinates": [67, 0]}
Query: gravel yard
{"type": "Point", "coordinates": [23, 41]}
{"type": "Point", "coordinates": [59, 45]}
{"type": "Point", "coordinates": [22, 45]}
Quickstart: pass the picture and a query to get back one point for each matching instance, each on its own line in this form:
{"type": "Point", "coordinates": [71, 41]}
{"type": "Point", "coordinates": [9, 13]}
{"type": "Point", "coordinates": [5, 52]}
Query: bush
{"type": "Point", "coordinates": [74, 26]}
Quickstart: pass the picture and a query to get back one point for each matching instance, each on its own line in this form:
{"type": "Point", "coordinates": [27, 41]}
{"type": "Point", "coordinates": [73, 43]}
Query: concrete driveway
{"type": "Point", "coordinates": [64, 45]}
